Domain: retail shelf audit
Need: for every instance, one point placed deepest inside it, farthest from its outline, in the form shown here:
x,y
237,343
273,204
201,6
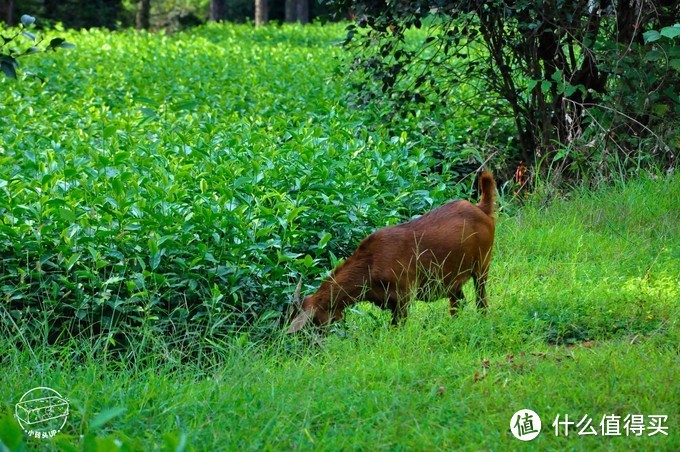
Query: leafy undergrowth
x,y
185,183
583,322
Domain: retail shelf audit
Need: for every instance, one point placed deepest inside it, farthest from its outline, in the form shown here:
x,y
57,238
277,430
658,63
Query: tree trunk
x,y
291,9
302,11
143,14
51,9
261,12
217,10
7,12
297,11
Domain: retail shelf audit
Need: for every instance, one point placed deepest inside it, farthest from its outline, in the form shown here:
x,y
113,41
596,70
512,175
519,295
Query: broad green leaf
x,y
308,261
109,131
651,36
545,86
671,32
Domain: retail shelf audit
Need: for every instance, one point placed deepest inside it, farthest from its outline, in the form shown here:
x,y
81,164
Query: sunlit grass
x,y
578,324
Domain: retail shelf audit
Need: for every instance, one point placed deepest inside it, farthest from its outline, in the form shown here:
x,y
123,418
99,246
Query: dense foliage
x,y
583,320
190,180
567,74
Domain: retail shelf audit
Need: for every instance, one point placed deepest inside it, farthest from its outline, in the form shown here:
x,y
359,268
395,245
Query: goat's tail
x,y
488,187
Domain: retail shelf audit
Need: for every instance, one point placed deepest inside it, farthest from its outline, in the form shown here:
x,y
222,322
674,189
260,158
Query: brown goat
x,y
448,244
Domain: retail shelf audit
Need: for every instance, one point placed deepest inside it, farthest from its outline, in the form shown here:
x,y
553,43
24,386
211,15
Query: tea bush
x,y
185,183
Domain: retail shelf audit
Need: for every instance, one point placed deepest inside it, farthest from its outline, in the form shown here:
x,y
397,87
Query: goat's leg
x,y
480,287
399,308
386,297
455,297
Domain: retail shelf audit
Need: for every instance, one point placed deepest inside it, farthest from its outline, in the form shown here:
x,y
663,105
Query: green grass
x,y
583,321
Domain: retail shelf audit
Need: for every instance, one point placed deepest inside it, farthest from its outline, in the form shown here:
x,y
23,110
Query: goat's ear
x,y
299,322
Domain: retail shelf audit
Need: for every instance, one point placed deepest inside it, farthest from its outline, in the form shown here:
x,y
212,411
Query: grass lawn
x,y
583,321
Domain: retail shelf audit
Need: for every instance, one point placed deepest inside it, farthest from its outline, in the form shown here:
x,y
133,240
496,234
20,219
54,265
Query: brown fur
x,y
450,243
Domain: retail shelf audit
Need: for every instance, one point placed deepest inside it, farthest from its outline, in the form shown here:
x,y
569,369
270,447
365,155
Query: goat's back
x,y
450,242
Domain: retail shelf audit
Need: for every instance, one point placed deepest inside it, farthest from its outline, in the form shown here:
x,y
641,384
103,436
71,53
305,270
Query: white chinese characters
x,y
612,425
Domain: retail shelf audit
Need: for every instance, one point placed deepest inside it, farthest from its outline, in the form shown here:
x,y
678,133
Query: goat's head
x,y
313,309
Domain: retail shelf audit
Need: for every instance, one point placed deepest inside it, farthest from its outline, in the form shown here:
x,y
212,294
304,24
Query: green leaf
x,y
105,416
545,86
651,36
11,435
308,261
70,262
121,157
145,100
671,32
675,64
149,113
118,187
55,42
104,444
674,52
154,260
67,214
185,106
349,37
324,240
653,55
28,35
175,442
570,89
109,131
8,68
